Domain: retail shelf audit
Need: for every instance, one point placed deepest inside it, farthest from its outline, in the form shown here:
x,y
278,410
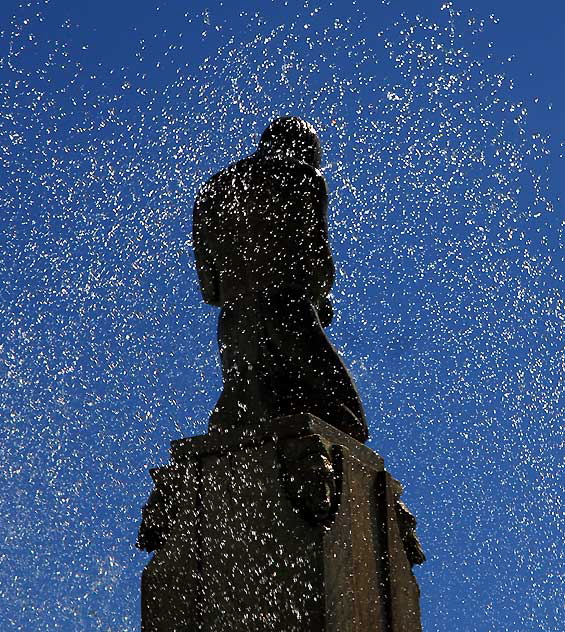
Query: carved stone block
x,y
294,529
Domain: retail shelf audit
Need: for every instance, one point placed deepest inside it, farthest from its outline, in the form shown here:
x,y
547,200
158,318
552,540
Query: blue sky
x,y
442,128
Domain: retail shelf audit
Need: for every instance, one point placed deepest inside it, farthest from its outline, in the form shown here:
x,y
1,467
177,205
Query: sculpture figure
x,y
262,254
274,520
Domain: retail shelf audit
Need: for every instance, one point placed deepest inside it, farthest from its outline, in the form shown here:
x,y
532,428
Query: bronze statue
x,y
262,254
275,520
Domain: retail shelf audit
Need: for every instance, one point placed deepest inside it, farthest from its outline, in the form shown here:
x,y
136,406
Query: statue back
x,y
259,225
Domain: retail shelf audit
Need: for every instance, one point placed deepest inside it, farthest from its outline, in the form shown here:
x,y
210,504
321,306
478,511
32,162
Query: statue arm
x,y
318,247
207,273
325,270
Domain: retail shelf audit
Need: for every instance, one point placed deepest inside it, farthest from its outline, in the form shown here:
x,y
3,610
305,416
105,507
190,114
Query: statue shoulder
x,y
314,177
301,172
303,168
311,173
223,181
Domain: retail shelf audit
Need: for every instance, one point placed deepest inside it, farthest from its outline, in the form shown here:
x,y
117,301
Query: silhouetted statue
x,y
262,255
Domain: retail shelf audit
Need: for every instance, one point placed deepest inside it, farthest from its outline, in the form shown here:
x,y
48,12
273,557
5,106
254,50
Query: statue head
x,y
291,137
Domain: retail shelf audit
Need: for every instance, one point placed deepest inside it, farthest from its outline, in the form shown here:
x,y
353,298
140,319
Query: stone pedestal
x,y
297,528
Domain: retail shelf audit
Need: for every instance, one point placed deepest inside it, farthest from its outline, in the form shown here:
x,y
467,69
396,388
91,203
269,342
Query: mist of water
x,y
448,297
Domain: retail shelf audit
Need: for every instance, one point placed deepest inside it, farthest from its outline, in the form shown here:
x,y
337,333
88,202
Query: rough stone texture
x,y
244,544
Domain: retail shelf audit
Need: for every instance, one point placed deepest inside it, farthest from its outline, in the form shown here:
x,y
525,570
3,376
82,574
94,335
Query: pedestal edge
x,y
275,429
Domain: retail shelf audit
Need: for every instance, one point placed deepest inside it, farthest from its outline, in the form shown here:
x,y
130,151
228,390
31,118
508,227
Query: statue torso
x,y
262,224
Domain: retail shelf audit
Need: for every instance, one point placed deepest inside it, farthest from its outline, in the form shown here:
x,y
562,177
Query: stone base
x,y
297,529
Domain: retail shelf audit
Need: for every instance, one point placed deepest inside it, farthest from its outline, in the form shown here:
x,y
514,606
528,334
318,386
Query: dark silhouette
x,y
278,518
262,254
